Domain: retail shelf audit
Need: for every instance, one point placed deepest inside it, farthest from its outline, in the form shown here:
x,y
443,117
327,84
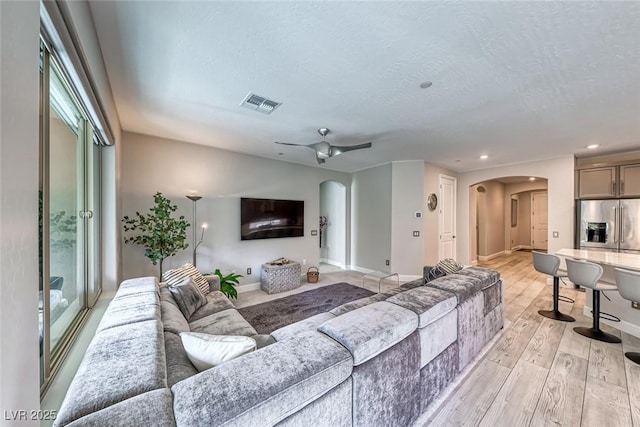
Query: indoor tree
x,y
161,234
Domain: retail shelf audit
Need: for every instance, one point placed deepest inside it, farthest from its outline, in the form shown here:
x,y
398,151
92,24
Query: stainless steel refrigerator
x,y
612,225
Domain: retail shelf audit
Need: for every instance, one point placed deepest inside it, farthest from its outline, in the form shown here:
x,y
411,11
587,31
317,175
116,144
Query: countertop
x,y
614,259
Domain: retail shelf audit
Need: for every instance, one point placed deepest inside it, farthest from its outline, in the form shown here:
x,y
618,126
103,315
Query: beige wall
x,y
175,168
406,199
491,219
560,175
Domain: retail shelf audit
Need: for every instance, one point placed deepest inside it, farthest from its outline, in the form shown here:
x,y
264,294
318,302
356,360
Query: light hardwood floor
x,y
539,372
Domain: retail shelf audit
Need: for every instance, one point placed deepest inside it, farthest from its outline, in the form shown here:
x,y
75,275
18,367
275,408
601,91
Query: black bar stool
x,y
587,274
629,287
549,264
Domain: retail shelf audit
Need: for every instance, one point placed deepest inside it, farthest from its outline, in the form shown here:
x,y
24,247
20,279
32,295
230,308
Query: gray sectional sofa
x,y
378,361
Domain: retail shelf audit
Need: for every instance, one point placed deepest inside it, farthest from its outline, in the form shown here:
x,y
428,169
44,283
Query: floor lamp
x,y
194,199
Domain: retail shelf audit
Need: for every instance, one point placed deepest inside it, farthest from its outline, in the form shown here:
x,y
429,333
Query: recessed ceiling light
x,y
484,157
280,154
457,161
533,178
425,85
592,146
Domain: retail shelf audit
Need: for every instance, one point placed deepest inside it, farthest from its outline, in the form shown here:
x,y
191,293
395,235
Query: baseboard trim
x,y
332,262
248,287
490,257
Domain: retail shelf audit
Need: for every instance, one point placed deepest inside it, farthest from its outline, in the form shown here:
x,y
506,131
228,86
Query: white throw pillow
x,y
206,351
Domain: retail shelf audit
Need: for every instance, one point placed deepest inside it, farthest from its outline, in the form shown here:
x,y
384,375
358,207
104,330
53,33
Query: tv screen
x,y
269,218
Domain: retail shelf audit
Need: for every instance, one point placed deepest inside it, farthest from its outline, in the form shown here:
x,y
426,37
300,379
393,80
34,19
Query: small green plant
x,y
160,233
228,283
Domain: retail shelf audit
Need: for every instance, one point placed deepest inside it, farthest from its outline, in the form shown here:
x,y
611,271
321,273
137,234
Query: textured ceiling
x,y
517,81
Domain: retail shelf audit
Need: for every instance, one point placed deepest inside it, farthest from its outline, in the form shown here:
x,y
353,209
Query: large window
x,y
69,215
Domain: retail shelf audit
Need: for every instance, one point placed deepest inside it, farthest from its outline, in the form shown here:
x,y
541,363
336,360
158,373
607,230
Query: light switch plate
x,y
556,234
418,214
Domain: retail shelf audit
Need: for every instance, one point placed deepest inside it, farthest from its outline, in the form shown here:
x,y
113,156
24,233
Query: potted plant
x,y
160,233
228,283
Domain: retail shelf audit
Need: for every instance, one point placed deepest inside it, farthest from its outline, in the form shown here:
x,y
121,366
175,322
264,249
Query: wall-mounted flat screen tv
x,y
270,218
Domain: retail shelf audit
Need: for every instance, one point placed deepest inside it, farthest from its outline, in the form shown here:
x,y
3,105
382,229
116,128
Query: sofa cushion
x,y
134,308
120,363
166,295
487,276
263,340
428,303
492,296
227,322
152,408
309,324
350,306
177,275
216,302
370,330
411,285
188,297
179,366
267,385
137,286
172,319
463,286
206,351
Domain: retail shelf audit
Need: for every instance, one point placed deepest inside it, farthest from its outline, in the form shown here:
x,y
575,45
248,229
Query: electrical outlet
x,y
556,234
249,271
304,261
387,262
635,304
416,234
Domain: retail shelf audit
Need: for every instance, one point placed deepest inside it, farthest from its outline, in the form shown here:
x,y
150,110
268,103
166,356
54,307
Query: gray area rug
x,y
271,315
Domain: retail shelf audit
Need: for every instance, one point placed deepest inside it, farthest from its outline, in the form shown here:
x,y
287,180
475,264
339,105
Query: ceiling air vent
x,y
259,103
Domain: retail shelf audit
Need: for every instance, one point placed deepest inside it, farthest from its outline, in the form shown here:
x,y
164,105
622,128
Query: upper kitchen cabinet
x,y
630,181
597,183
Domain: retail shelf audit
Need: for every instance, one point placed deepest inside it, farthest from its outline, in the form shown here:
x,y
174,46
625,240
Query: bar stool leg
x,y
595,332
555,313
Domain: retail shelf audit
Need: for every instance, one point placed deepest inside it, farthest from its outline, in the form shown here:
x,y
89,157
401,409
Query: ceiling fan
x,y
324,150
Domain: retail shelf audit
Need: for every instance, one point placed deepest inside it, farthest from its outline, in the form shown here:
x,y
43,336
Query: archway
x,y
500,215
333,236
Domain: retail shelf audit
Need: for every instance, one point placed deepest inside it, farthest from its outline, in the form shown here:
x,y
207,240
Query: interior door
x,y
539,220
447,217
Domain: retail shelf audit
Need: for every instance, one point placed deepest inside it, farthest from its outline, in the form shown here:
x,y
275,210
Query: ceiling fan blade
x,y
336,149
288,143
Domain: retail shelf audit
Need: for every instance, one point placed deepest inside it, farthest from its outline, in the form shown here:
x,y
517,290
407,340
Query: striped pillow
x,y
448,266
176,276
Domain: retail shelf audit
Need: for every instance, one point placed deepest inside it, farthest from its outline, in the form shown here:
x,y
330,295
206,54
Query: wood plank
x,y
606,363
605,404
574,343
468,402
561,399
633,381
515,339
516,402
542,347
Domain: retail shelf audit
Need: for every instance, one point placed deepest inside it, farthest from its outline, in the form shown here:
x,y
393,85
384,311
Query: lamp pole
x,y
194,199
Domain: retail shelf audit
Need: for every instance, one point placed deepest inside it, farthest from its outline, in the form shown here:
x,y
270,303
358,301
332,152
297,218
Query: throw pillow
x,y
188,297
449,266
206,351
175,276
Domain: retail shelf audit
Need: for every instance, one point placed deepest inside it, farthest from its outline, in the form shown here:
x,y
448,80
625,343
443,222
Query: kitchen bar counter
x,y
629,317
614,259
